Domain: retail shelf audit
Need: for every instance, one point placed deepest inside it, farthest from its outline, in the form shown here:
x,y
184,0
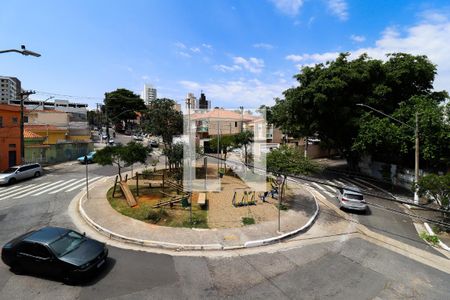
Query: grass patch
x,y
248,221
164,216
432,239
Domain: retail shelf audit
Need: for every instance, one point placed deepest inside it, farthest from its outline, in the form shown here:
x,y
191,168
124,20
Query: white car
x,y
351,197
16,173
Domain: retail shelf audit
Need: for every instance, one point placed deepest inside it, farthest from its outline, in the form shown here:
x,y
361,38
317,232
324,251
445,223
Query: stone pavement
x,y
99,214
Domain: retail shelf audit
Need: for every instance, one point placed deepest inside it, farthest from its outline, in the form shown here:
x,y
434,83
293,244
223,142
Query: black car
x,y
56,252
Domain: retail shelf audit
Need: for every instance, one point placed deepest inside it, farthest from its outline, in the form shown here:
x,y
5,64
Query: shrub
x,y
248,221
156,215
432,239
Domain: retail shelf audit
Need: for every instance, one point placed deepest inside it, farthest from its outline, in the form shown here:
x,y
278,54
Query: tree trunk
x,y
306,147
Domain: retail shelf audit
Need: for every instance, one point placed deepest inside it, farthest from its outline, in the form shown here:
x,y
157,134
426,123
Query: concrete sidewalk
x,y
98,213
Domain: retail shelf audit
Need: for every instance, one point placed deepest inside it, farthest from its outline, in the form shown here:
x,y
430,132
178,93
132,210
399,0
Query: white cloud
x,y
428,37
357,38
207,46
224,68
254,65
183,54
339,8
289,7
252,92
263,46
180,45
195,49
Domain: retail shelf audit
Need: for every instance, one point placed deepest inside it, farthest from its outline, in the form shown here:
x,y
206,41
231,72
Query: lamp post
x,y
280,192
25,52
188,103
416,134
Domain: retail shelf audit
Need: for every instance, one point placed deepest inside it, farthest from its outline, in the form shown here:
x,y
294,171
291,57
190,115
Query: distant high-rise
x,y
203,103
149,94
192,99
10,89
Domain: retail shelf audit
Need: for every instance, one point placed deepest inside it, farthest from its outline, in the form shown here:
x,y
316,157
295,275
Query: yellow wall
x,y
53,136
79,138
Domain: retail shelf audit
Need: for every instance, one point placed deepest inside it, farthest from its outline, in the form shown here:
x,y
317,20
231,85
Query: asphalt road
x,y
345,269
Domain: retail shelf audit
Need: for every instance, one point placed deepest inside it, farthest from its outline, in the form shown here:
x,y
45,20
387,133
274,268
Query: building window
x,y
14,120
25,119
1,122
235,124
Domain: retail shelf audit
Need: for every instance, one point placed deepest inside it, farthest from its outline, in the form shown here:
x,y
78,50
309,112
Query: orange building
x,y
9,136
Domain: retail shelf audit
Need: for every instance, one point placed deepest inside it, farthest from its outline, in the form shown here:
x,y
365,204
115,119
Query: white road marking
x,y
55,187
339,182
18,191
83,183
329,194
331,188
36,189
7,189
68,186
357,182
319,186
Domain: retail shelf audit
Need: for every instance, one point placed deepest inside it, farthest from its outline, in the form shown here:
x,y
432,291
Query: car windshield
x,y
354,197
9,170
91,153
67,243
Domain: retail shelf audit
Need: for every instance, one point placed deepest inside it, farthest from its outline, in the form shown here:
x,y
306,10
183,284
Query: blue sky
x,y
238,52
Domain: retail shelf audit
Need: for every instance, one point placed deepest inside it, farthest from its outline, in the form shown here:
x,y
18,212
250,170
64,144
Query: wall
x,y
9,135
58,153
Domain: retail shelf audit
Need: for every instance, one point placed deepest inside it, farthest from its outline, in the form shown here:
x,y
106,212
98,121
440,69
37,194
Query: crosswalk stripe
x,y
83,183
328,193
68,186
330,188
339,182
36,189
18,191
55,187
353,182
359,182
318,186
7,189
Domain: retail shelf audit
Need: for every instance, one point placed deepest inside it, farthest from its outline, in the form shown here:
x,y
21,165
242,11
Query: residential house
x,y
10,144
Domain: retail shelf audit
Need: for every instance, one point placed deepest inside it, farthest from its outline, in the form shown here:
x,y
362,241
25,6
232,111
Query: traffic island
x,y
230,226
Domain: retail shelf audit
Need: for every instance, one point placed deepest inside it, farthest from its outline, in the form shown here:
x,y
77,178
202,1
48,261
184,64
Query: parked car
x,y
90,157
351,197
138,138
16,173
55,251
154,144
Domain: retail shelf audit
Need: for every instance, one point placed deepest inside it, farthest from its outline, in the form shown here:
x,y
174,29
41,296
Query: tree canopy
x,y
163,120
325,100
122,105
438,187
121,155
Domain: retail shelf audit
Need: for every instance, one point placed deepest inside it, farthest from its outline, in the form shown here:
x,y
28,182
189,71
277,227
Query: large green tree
x,y
122,105
244,139
438,187
325,100
122,155
162,119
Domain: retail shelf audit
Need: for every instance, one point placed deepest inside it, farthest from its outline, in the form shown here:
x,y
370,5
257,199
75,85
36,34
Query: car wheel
x,y
17,269
12,181
37,174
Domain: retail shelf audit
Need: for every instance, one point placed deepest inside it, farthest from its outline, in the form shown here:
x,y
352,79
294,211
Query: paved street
x,y
341,269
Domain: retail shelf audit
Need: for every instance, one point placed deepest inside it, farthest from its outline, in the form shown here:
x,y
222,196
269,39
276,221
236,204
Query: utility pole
x,y
23,95
416,168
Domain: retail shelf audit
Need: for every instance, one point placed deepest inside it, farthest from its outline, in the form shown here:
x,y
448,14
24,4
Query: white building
x,y
10,89
149,94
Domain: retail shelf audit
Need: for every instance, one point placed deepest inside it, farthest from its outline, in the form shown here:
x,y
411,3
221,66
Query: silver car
x,y
351,197
16,173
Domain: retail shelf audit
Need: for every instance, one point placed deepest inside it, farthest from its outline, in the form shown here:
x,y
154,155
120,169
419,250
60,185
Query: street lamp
x,y
188,103
280,193
24,51
416,133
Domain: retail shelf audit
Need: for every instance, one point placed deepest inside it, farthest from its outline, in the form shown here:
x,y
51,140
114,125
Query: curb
x,y
430,232
189,247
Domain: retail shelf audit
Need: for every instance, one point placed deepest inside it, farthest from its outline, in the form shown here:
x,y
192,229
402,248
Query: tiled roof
x,y
30,135
222,114
44,127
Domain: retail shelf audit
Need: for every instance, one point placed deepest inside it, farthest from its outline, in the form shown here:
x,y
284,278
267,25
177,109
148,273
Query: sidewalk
x,y
98,213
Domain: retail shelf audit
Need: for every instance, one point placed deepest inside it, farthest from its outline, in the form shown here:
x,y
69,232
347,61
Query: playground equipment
x,y
175,199
248,198
125,191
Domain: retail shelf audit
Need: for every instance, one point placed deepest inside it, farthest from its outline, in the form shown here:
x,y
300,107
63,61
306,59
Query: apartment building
x,y
10,89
